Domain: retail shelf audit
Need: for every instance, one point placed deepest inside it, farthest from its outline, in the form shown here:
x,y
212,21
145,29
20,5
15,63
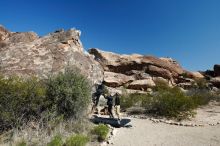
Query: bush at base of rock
x,y
64,95
172,103
69,92
167,101
20,100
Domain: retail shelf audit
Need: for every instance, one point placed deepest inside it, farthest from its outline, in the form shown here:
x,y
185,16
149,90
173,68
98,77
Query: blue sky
x,y
186,30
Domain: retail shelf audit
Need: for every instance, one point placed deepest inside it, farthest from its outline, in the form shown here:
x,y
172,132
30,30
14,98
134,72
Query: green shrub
x,y
201,84
20,100
169,101
62,96
165,101
68,93
101,131
56,141
172,103
129,100
22,143
126,102
77,140
201,96
161,85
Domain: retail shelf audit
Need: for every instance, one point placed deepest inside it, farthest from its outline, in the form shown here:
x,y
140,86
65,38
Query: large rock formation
x,y
136,71
26,54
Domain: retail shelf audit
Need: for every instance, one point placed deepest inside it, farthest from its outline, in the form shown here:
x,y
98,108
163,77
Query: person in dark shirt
x,y
117,105
110,105
96,97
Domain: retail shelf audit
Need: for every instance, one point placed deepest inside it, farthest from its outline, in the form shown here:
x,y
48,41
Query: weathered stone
x,y
217,69
141,84
23,37
122,90
195,75
124,63
116,79
186,85
215,81
160,72
209,73
26,55
4,33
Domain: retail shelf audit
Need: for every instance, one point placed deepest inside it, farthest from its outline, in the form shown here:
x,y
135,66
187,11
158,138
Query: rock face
x,y
141,84
217,70
195,75
116,79
4,33
215,81
136,71
26,54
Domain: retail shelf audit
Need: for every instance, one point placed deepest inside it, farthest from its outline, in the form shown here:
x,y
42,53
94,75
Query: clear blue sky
x,y
186,30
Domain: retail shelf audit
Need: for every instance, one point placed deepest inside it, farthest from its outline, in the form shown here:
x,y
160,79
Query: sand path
x,y
145,133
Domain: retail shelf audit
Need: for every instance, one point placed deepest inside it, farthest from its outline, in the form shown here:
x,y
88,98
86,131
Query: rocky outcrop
x,y
136,71
195,75
125,63
215,81
112,79
26,54
141,84
4,33
217,70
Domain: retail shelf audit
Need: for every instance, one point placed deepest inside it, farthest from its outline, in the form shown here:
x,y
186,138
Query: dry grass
x,y
37,133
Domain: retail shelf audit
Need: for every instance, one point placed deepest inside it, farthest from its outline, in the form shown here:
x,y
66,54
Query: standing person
x,y
117,105
110,105
96,97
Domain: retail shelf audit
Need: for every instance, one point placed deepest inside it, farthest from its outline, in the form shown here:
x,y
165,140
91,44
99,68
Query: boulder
x,y
141,84
28,55
159,72
125,63
215,81
186,85
122,90
161,79
209,73
217,69
112,79
195,75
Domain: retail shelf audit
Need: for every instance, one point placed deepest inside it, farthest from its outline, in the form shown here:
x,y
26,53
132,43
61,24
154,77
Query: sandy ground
x,y
143,132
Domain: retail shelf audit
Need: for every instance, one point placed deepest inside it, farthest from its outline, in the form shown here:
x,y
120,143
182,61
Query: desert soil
x,y
143,132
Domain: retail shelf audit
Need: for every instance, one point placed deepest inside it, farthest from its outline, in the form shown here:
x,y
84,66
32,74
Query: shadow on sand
x,y
113,122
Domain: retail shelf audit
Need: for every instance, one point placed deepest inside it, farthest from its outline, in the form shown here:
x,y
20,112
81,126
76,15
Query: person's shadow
x,y
111,121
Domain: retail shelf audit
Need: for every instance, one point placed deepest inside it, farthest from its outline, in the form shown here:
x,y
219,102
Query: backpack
x,y
100,89
110,100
